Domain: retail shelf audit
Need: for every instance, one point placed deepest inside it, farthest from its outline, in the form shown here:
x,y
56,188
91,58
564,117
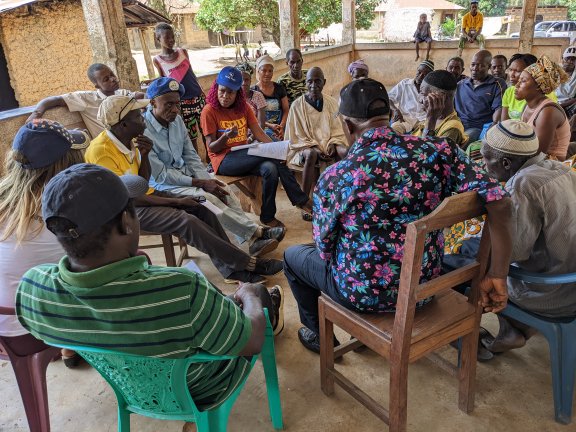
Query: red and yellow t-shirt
x,y
212,120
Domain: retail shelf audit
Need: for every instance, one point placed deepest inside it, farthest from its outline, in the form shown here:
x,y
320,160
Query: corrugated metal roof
x,y
6,5
136,14
180,7
388,5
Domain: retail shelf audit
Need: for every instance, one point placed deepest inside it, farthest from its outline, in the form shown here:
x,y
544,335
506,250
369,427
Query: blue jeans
x,y
240,163
473,134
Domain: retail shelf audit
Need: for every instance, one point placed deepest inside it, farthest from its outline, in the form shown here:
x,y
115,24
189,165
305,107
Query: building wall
x,y
192,36
36,44
550,13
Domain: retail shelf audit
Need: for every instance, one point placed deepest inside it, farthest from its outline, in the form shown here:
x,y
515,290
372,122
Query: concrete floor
x,y
514,391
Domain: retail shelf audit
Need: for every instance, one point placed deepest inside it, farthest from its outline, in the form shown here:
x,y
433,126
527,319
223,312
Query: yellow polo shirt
x,y
472,22
107,151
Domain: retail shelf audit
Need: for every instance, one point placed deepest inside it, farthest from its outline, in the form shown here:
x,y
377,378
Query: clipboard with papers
x,y
274,150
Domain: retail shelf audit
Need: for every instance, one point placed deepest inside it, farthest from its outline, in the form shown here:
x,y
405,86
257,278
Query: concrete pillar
x,y
109,39
146,52
527,26
289,25
348,22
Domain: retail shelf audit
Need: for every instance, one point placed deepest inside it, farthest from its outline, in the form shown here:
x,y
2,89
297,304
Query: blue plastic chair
x,y
561,337
156,387
484,130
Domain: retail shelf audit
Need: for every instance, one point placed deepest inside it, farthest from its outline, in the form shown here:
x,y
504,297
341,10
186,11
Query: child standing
x,y
174,63
423,34
246,52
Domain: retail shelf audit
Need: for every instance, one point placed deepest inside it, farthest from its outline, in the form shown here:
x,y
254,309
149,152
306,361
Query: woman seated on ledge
x,y
225,122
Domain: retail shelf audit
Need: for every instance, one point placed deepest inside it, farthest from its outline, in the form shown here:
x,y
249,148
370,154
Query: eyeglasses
x,y
132,100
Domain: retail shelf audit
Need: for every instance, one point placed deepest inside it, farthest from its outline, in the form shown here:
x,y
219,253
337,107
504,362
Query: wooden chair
x,y
251,188
409,335
168,245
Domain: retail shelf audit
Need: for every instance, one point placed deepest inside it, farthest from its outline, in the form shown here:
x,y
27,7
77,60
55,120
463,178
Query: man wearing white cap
x,y
544,195
566,92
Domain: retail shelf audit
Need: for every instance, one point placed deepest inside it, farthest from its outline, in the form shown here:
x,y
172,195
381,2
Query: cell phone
x,y
200,199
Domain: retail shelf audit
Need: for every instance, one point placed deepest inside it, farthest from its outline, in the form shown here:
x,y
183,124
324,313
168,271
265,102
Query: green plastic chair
x,y
156,387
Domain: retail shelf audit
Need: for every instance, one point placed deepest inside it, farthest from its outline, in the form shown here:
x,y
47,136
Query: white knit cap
x,y
569,52
513,137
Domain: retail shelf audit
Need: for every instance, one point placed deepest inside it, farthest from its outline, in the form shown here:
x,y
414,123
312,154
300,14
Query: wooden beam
x,y
109,39
147,57
348,22
527,26
289,25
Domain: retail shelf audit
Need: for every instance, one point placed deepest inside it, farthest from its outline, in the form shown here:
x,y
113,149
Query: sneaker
x,y
276,233
311,340
244,276
268,267
262,246
277,297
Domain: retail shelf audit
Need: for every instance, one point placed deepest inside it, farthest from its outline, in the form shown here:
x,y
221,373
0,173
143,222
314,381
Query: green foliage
x,y
448,27
487,7
218,15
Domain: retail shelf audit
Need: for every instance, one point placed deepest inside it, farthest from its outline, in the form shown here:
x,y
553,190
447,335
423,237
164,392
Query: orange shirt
x,y
212,120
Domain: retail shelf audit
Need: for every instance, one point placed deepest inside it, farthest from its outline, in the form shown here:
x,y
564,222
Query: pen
x,y
223,130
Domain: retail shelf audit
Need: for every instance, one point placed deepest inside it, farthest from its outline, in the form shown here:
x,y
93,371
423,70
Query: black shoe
x,y
244,276
311,339
277,297
262,247
268,267
276,233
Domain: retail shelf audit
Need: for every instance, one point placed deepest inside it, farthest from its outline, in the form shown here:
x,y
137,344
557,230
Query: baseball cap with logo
x,y
43,142
164,85
114,108
358,96
89,196
230,77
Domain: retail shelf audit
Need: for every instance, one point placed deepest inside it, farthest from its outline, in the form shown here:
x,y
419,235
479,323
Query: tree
x,y
218,15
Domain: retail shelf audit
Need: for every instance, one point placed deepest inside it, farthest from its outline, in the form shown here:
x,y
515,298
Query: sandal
x,y
73,361
306,216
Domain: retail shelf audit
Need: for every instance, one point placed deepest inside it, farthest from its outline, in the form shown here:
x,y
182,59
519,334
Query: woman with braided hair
x,y
547,117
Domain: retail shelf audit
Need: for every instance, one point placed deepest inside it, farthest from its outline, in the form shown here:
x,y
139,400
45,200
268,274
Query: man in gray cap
x,y
102,294
544,196
363,204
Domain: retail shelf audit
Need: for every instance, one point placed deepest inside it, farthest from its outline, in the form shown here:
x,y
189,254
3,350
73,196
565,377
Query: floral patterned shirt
x,y
363,203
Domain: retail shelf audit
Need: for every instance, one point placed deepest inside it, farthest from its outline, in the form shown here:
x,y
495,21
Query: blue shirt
x,y
476,105
173,160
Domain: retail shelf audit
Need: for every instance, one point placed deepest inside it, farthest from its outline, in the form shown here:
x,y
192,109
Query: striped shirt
x,y
132,307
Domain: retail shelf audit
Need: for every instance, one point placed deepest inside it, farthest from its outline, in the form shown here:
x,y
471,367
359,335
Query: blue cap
x,y
230,77
43,142
89,196
164,85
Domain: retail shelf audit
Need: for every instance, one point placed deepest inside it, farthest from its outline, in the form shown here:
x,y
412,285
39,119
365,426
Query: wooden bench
x,y
251,188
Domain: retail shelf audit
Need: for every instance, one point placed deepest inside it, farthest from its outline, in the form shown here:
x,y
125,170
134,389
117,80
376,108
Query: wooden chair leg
x,y
398,394
183,248
326,351
467,372
169,250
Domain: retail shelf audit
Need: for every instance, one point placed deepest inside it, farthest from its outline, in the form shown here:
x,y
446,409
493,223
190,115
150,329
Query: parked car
x,y
554,29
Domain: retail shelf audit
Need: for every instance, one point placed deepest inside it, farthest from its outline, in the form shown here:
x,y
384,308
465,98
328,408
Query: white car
x,y
554,29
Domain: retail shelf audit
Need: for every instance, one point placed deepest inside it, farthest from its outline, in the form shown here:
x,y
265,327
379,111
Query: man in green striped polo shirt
x,y
102,294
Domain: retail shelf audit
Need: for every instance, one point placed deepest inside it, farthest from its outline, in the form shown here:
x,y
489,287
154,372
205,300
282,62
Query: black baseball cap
x,y
89,196
356,98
